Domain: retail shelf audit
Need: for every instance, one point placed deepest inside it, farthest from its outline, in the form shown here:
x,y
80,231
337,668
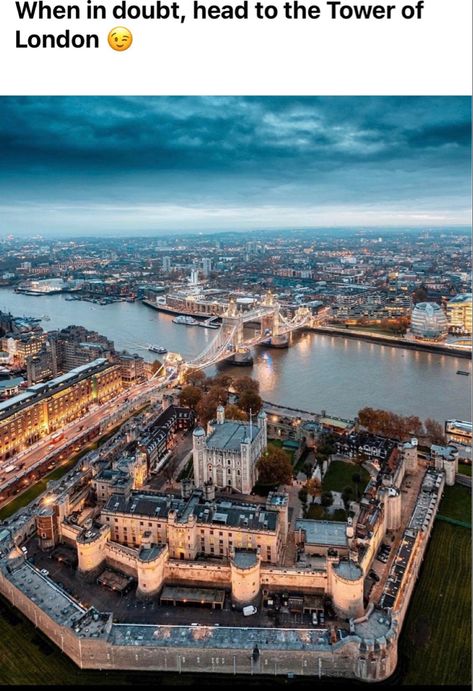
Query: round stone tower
x,y
91,549
150,567
346,587
245,574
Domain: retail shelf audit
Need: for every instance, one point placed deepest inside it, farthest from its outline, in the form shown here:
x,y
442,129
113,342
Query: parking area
x,y
274,610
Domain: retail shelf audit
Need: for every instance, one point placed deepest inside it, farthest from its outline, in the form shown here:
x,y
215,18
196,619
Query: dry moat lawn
x,y
436,640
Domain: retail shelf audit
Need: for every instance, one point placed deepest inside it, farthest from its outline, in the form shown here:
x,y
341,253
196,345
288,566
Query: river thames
x,y
318,372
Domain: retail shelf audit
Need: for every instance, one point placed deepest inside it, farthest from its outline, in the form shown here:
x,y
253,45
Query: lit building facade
x,y
459,312
43,408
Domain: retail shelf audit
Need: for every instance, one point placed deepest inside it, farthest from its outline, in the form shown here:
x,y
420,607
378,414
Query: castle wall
x,y
197,574
305,580
122,558
342,659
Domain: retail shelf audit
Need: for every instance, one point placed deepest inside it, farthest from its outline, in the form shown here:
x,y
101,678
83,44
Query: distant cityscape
x,y
413,289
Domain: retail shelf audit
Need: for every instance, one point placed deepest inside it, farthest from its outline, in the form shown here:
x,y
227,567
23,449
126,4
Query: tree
x,y
224,380
206,409
356,478
326,443
219,393
274,467
414,426
346,496
195,377
389,424
302,494
190,396
250,401
233,412
367,418
326,499
313,487
245,383
434,431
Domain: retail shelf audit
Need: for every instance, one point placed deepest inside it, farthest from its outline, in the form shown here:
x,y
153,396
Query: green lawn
x,y
278,444
339,475
456,503
464,469
436,638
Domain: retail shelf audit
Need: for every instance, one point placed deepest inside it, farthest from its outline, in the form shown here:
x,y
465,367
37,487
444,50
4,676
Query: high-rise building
x,y
167,264
206,266
132,369
459,313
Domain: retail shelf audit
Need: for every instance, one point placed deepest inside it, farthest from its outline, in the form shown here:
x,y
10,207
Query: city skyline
x,y
89,165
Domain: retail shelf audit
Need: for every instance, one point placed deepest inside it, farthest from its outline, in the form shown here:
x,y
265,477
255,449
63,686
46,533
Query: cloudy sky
x,y
88,165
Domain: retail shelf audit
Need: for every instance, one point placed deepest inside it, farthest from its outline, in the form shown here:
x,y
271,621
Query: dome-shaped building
x,y
428,321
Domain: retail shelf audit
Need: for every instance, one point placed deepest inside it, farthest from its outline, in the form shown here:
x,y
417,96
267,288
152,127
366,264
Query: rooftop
x,y
329,533
35,392
245,559
349,570
221,637
231,434
222,512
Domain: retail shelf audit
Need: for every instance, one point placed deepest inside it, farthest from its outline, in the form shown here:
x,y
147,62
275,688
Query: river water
x,y
318,372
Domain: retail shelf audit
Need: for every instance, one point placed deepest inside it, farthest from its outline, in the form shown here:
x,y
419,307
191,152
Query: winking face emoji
x,y
120,38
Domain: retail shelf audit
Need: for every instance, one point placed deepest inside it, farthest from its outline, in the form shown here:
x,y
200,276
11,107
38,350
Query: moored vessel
x,y
187,321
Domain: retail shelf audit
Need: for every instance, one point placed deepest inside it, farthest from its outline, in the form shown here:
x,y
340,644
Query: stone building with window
x,y
228,453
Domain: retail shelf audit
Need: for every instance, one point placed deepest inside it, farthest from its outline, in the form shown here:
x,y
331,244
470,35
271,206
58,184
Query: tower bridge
x,y
231,335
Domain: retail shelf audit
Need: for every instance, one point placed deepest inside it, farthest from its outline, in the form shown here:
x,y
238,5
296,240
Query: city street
x,y
104,416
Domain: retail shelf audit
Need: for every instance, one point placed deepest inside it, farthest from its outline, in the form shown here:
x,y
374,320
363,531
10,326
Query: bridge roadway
x,y
229,337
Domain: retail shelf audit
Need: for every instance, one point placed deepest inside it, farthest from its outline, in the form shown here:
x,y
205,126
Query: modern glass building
x,y
429,322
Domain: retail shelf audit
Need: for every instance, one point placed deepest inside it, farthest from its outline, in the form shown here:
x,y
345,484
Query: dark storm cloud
x,y
248,157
